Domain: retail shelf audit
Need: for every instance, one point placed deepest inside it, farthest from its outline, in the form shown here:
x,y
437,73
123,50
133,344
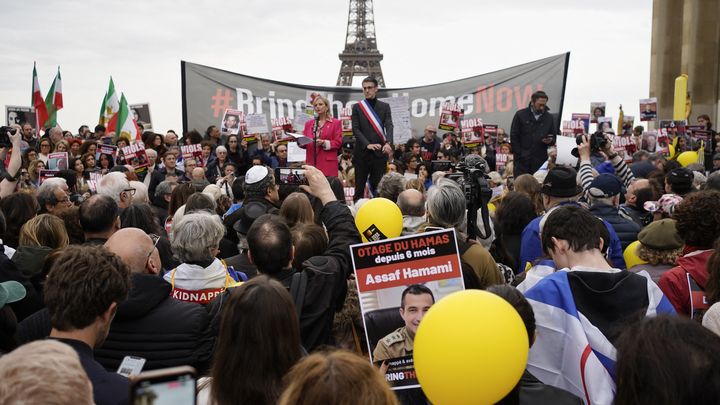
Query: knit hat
x,y
561,182
661,235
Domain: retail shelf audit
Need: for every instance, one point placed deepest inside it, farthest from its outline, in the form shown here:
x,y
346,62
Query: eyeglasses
x,y
155,240
130,191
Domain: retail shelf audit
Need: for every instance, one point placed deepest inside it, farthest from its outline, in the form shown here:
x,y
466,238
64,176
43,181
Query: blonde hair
x,y
44,230
44,372
328,113
340,378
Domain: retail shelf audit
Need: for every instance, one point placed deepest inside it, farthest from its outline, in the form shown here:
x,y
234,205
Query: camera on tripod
x,y
472,177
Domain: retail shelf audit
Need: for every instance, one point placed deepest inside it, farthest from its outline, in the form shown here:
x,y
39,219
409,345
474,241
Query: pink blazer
x,y
327,160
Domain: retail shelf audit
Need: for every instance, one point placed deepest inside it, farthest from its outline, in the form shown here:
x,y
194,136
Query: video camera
x,y
4,138
598,142
472,177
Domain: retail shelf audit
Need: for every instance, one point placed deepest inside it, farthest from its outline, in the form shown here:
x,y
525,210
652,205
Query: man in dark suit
x,y
532,131
373,130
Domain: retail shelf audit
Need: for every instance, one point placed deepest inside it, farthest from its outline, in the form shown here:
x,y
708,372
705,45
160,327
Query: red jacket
x,y
327,159
674,282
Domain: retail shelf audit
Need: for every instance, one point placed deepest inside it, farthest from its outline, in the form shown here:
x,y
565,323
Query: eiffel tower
x,y
360,56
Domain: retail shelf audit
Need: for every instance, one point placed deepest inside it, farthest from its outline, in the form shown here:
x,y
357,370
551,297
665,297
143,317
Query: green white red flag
x,y
110,106
54,101
123,123
37,100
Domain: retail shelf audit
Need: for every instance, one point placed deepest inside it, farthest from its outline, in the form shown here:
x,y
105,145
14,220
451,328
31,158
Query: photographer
x,y
598,143
10,137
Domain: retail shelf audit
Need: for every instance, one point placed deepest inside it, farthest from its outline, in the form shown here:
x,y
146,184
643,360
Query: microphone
x,y
315,130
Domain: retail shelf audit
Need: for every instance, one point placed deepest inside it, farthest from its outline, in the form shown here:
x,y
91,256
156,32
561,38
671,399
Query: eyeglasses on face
x,y
130,191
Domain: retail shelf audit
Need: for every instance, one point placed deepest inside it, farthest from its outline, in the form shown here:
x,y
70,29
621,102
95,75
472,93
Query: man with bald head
x,y
412,206
638,192
150,324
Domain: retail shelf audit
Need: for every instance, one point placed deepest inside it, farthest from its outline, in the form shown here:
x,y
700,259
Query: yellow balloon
x,y
378,219
470,348
491,207
687,158
631,257
671,148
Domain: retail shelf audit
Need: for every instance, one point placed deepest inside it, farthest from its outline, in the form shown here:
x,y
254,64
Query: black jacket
x,y
149,324
531,391
159,175
526,134
32,301
365,133
626,230
326,277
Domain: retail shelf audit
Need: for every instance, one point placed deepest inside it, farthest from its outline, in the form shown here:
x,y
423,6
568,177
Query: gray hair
x,y
195,234
112,185
141,192
46,191
164,187
446,205
220,148
391,185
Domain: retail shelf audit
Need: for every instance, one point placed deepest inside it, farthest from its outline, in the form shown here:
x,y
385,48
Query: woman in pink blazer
x,y
323,154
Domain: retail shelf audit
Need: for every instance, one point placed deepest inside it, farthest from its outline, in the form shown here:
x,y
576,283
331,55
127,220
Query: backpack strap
x,y
298,286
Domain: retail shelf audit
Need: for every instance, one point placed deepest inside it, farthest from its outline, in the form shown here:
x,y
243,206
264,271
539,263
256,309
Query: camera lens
x,y
13,131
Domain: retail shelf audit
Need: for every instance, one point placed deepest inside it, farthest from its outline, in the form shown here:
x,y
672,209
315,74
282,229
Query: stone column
x,y
666,53
701,55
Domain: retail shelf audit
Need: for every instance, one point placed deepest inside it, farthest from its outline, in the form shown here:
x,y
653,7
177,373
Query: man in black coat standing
x,y
373,130
532,131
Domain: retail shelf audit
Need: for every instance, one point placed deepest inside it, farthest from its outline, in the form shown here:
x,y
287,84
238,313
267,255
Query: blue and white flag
x,y
577,315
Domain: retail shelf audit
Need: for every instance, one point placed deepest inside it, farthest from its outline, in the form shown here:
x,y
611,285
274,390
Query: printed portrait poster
x,y
280,127
501,160
231,122
597,110
627,125
141,115
490,134
698,134
623,145
428,262
648,109
604,124
18,115
346,121
673,128
58,161
472,133
585,118
450,116
136,156
649,141
193,152
105,149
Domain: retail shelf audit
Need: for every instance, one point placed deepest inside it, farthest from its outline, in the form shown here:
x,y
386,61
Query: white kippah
x,y
256,174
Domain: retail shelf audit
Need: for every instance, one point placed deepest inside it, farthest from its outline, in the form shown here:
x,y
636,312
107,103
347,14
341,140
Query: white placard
x,y
400,110
257,124
295,152
565,145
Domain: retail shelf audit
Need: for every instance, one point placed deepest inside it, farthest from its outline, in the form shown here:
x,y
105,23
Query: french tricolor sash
x,y
372,116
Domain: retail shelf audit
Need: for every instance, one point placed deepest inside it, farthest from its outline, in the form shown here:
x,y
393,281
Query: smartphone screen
x,y
131,365
286,175
165,390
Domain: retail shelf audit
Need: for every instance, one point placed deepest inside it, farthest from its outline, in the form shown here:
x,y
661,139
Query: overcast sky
x,y
141,44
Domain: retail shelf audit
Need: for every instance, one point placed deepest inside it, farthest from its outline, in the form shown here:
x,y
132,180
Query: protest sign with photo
x,y
231,122
18,115
135,156
45,174
427,265
648,109
649,141
57,161
450,116
105,149
627,125
490,134
193,152
501,159
623,145
585,118
346,121
604,124
280,127
698,134
256,124
472,133
597,110
141,115
673,128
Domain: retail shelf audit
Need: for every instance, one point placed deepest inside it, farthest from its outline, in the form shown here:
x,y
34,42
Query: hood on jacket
x,y
30,259
695,263
146,293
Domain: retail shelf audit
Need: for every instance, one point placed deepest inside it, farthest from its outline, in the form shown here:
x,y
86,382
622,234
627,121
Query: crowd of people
x,y
209,262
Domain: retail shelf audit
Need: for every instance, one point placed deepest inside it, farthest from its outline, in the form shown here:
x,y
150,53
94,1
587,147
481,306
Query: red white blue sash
x,y
372,116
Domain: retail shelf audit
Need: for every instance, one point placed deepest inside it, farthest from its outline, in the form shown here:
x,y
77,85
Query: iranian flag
x,y
54,101
37,101
111,104
123,123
